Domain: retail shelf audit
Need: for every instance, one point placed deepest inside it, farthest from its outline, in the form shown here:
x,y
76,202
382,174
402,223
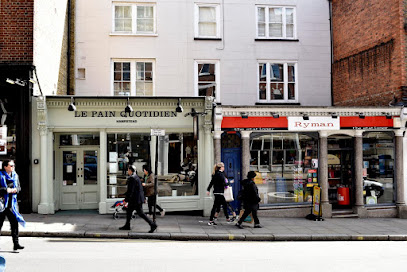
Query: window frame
x,y
218,20
133,75
134,19
217,77
284,23
285,81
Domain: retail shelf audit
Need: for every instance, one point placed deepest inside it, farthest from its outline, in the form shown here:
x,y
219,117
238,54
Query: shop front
x,y
84,153
355,157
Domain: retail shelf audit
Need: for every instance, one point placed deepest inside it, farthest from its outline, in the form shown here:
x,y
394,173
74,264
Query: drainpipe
x,y
332,50
68,72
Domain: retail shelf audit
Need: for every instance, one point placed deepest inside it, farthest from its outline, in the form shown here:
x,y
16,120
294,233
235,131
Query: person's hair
x,y
132,168
217,167
251,174
147,168
5,164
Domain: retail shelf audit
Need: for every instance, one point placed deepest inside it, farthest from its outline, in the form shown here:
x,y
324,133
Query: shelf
x,y
334,178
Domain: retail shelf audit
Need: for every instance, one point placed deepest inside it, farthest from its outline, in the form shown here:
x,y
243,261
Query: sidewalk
x,y
186,227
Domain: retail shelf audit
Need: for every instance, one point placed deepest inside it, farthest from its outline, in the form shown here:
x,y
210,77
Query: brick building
x,y
369,52
16,69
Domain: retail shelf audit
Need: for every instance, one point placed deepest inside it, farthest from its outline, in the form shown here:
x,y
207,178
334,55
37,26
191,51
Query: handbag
x,y
248,219
228,194
2,204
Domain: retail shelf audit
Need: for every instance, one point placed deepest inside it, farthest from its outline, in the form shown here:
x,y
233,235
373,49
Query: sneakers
x,y
162,213
153,228
257,226
239,226
229,219
212,223
233,219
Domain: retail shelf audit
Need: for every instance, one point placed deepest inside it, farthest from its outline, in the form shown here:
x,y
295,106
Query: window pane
x,y
121,77
277,91
289,15
291,91
262,91
139,88
148,86
275,15
261,30
207,29
276,30
290,31
206,72
207,14
276,72
206,89
123,18
291,73
261,15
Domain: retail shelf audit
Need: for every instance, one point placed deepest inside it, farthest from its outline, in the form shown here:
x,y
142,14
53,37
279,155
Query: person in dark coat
x,y
249,195
149,191
218,182
135,199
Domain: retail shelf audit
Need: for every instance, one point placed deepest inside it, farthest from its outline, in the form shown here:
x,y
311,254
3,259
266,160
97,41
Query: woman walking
x,y
149,191
219,183
9,188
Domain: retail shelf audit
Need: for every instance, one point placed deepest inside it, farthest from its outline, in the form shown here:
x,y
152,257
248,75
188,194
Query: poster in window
x,y
3,140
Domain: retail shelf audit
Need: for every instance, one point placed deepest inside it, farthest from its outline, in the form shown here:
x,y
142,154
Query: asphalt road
x,y
45,254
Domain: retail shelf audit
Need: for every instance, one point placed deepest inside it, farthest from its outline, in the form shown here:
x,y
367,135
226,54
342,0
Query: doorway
x,y
79,178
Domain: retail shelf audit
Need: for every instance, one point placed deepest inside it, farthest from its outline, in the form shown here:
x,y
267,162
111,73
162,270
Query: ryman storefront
x,y
80,155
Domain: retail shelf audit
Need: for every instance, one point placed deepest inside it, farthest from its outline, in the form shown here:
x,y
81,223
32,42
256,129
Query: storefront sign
x,y
157,132
316,201
313,124
97,114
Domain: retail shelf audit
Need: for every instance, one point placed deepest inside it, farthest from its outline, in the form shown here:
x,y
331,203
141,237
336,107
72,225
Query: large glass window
x,y
286,166
133,77
277,82
275,22
378,168
134,18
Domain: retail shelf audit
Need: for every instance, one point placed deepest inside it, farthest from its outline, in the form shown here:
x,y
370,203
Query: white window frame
x,y
134,19
267,34
285,67
217,76
218,21
132,74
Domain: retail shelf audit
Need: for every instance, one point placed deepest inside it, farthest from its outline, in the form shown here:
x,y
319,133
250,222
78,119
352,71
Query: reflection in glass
x,y
90,159
69,168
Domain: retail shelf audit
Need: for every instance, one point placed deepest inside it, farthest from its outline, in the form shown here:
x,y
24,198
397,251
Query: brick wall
x,y
16,31
368,45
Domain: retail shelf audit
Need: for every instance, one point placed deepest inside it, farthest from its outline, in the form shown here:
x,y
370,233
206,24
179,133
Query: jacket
x,y
218,182
149,185
249,194
135,193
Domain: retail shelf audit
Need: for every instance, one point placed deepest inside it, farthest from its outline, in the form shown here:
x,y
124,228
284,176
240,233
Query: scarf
x,y
4,177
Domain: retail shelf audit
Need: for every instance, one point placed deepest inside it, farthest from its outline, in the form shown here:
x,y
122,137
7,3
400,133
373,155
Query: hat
x,y
251,174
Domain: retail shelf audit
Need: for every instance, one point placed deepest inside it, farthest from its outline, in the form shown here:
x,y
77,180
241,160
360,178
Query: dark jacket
x,y
218,182
149,187
135,193
249,193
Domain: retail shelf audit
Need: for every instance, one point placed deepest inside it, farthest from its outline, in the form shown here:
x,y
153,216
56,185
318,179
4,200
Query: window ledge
x,y
133,34
278,104
207,39
277,40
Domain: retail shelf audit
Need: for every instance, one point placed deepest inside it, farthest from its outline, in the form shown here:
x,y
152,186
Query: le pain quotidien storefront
x,y
81,153
354,154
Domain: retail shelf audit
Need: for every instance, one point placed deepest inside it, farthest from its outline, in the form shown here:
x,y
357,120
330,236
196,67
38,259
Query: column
x,y
359,207
323,174
50,171
245,153
103,207
43,207
399,175
207,167
217,145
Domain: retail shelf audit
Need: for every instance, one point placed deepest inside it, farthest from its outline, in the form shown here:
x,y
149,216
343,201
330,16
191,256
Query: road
x,y
44,254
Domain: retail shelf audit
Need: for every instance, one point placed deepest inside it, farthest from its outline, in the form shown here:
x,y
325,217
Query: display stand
x,y
316,205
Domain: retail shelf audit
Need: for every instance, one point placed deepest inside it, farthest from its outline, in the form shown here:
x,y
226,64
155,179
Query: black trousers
x,y
139,210
13,223
219,201
150,201
250,209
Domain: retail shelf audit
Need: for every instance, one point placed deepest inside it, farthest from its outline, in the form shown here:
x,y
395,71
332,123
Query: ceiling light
x,y
72,106
128,108
179,107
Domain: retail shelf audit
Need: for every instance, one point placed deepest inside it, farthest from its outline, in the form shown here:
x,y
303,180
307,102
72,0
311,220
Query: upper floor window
x,y
276,22
207,78
277,82
133,77
207,21
134,18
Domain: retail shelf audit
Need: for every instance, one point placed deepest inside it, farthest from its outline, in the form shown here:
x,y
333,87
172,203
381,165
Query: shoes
x,y
153,228
215,218
229,220
257,226
149,215
212,223
239,226
233,219
125,227
162,213
18,246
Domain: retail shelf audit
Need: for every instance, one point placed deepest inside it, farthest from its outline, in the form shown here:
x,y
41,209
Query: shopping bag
x,y
248,219
228,194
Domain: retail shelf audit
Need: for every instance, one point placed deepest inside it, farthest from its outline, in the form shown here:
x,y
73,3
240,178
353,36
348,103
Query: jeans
x,y
219,201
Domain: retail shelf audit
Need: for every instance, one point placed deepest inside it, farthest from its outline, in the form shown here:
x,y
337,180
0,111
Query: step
x,y
344,214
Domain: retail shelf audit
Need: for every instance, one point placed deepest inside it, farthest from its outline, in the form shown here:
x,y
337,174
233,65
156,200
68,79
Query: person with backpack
x,y
249,195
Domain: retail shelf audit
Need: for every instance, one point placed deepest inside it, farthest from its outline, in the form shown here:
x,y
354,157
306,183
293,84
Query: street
x,y
45,254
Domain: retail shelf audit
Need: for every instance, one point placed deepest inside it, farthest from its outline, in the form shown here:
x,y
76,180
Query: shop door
x,y
231,157
79,188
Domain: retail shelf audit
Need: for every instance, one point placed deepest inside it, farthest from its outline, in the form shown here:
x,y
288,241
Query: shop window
x,y
286,166
378,168
79,139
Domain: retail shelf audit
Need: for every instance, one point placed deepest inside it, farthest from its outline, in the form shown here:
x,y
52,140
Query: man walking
x,y
135,199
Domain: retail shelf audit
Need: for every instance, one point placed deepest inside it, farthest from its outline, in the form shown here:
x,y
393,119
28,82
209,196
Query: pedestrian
x,y
135,199
249,195
149,191
234,216
218,182
9,188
